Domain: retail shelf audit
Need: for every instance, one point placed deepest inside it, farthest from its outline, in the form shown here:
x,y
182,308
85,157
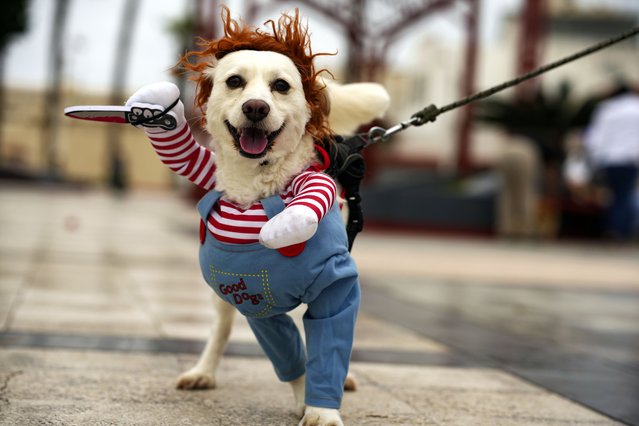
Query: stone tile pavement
x,y
88,268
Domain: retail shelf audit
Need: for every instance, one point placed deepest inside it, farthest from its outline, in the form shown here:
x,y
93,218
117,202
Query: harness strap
x,y
347,167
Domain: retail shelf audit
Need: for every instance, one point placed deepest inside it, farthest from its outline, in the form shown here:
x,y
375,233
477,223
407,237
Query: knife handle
x,y
148,117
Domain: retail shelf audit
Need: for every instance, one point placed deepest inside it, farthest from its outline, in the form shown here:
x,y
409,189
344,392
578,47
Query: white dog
x,y
265,113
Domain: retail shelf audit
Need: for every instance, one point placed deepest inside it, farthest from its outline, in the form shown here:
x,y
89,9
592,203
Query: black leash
x,y
431,112
347,163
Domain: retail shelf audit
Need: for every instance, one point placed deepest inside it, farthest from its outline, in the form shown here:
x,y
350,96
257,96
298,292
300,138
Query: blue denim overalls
x,y
263,285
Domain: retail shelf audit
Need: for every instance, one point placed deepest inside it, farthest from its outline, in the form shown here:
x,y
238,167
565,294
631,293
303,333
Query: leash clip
x,y
379,134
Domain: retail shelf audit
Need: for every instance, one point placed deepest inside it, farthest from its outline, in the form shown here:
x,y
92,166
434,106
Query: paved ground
x,y
102,306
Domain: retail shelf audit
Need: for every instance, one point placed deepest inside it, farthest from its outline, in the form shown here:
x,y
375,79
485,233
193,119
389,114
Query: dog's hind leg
x,y
298,386
202,375
351,383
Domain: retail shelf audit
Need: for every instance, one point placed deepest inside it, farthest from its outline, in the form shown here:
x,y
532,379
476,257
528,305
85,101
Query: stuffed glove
x,y
156,97
294,225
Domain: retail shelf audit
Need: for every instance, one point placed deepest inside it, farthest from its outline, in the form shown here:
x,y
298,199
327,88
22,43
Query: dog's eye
x,y
280,85
234,81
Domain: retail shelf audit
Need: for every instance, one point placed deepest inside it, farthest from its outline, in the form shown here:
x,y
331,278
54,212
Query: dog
x,y
271,234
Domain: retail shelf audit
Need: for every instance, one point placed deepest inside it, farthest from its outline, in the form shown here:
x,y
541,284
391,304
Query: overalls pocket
x,y
250,291
262,282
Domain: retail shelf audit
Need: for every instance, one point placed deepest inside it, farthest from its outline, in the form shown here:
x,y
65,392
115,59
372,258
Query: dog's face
x,y
257,108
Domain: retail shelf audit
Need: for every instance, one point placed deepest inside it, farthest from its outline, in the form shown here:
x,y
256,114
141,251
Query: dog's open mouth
x,y
252,142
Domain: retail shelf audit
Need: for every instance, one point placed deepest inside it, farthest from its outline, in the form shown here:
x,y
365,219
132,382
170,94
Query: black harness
x,y
347,167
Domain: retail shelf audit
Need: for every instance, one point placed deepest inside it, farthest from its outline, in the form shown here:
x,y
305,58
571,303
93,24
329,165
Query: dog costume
x,y
264,283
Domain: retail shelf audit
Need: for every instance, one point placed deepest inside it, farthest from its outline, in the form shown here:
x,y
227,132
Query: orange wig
x,y
289,37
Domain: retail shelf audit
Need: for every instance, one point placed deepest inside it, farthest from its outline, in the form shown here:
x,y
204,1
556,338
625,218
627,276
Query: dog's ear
x,y
209,71
206,82
325,98
204,87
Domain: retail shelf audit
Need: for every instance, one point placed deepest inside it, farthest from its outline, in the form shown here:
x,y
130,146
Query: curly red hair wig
x,y
288,37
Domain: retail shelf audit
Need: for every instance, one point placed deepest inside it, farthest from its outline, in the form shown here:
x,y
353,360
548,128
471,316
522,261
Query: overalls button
x,y
202,232
292,251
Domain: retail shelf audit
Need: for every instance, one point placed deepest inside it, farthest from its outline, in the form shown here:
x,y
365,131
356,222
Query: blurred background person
x,y
519,168
612,141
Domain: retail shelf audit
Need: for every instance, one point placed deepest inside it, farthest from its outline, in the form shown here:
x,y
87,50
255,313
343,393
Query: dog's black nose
x,y
255,109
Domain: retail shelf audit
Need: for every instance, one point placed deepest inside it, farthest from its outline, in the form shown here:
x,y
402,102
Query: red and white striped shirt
x,y
228,222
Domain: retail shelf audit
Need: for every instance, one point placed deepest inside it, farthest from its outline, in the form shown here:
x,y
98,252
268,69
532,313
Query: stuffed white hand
x,y
157,96
293,225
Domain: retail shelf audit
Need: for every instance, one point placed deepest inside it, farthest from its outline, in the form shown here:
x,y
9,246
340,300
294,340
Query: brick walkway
x,y
102,306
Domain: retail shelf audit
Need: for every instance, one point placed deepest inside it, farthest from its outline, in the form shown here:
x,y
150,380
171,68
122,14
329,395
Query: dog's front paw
x,y
293,225
195,379
316,416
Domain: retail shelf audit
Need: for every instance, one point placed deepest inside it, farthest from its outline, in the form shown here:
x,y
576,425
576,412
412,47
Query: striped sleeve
x,y
182,154
314,190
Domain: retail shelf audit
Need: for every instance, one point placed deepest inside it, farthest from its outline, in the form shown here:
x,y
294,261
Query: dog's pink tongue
x,y
253,141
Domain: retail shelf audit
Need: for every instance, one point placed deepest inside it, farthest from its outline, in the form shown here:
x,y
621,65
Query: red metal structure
x,y
206,17
462,155
532,33
371,28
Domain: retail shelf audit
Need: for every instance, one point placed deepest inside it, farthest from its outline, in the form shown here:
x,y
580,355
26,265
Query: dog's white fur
x,y
246,180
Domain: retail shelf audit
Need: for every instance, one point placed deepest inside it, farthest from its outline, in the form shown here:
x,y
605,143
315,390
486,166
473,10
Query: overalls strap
x,y
205,205
273,205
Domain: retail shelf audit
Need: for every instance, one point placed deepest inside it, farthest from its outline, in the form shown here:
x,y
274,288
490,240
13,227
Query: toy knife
x,y
148,117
